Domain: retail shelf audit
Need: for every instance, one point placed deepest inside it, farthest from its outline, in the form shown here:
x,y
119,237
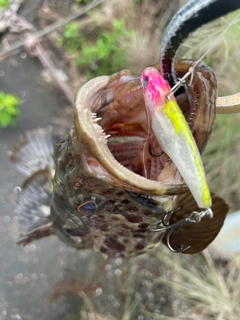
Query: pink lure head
x,y
155,88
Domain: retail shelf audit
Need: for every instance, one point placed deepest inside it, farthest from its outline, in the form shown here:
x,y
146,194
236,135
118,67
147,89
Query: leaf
x,y
9,109
4,3
5,118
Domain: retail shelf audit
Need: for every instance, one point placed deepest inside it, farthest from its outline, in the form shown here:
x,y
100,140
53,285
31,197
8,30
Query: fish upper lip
x,y
99,110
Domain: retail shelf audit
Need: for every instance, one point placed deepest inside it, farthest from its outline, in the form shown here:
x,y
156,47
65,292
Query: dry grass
x,y
203,288
180,287
221,160
222,154
221,157
206,288
224,55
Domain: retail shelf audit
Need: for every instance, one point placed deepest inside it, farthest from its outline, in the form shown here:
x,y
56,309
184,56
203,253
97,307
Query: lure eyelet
x,y
194,217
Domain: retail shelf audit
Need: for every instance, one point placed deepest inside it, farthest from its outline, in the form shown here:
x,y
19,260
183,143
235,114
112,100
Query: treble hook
x,y
166,226
194,217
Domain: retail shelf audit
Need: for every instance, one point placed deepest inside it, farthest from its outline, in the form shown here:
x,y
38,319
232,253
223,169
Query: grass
x,y
102,54
222,154
4,4
171,287
118,35
205,287
224,57
221,159
201,286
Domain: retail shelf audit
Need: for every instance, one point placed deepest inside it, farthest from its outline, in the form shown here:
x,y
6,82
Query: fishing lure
x,y
173,134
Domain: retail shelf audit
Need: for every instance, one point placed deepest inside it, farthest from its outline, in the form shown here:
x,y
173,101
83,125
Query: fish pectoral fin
x,y
33,208
38,233
33,152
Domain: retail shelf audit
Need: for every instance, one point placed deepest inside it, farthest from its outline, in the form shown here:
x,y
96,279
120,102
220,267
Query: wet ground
x,y
28,275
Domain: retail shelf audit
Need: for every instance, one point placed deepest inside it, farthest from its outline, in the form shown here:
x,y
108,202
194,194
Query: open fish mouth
x,y
111,122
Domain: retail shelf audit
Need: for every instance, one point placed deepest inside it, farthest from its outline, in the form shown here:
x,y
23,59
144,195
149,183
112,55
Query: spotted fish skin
x,y
53,193
119,228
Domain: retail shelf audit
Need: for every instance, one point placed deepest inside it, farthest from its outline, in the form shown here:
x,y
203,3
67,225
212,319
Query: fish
x,y
100,187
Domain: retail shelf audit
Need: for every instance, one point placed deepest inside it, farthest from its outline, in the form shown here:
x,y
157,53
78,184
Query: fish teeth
x,y
94,117
97,127
97,119
105,138
99,130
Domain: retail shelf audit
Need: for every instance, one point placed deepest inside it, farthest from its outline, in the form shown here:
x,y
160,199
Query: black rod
x,y
189,18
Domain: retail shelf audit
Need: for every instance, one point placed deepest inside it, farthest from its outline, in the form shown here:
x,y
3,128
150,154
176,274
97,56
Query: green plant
x,y
103,54
107,54
71,38
4,3
9,109
82,1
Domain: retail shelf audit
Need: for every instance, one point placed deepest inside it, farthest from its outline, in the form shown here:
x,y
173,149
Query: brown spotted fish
x,y
103,187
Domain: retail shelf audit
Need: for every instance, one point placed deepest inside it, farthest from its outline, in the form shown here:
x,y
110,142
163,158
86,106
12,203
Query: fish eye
x,y
145,82
88,204
87,207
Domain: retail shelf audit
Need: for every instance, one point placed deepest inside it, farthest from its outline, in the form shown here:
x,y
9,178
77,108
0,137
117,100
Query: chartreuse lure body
x,y
173,134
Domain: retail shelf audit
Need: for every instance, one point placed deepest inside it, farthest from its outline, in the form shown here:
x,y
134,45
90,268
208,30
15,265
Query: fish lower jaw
x,y
94,138
97,141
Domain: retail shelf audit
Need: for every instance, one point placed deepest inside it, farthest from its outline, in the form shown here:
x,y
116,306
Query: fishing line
x,y
145,144
180,82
